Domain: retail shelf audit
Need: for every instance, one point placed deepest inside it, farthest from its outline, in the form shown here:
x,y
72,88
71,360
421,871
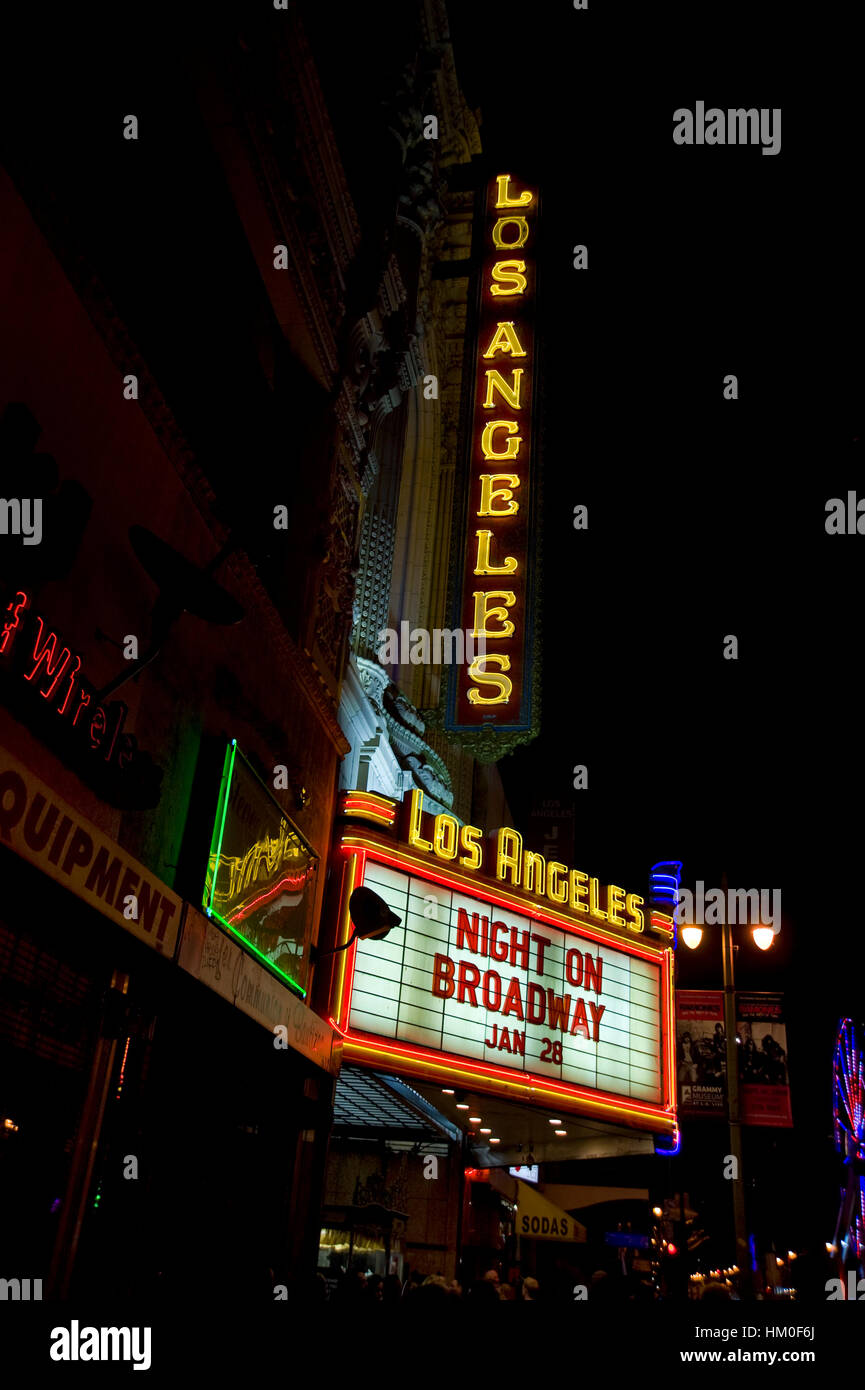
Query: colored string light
x,y
849,1127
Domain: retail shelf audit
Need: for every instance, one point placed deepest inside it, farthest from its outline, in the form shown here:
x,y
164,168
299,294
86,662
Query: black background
x,y
706,516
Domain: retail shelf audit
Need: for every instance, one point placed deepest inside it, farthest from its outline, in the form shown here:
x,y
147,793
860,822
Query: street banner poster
x,y
764,1088
701,1052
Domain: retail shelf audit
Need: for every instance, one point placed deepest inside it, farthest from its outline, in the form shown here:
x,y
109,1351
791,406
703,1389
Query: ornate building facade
x,y
404,384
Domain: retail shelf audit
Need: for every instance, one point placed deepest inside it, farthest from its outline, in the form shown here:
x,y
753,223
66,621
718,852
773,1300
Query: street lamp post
x,y
763,938
743,1254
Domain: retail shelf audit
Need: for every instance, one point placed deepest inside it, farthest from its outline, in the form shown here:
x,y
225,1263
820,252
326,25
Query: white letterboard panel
x,y
559,1005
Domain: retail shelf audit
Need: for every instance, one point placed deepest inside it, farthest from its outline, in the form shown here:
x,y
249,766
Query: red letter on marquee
x,y
443,977
469,979
558,1009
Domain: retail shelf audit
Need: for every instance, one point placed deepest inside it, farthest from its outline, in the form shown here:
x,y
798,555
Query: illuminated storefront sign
x,y
43,684
504,994
260,874
225,967
539,1219
495,595
42,828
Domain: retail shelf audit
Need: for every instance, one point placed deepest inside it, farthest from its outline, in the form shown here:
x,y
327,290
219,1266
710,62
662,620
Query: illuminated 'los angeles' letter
x,y
508,273
512,447
481,676
485,611
509,394
490,491
505,200
484,564
505,340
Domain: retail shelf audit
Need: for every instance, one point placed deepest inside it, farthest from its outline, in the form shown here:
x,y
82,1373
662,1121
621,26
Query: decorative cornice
x,y
375,680
486,744
302,90
457,122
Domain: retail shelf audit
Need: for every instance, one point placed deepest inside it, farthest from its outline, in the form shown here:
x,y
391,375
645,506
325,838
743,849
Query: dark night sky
x,y
706,517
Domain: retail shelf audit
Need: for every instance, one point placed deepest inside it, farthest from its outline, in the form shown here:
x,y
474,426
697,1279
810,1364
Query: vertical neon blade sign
x,y
492,688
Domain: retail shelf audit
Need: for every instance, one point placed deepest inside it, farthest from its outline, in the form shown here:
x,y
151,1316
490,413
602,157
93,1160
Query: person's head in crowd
x,y
714,1292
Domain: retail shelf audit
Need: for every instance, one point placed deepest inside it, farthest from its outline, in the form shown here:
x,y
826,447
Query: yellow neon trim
x,y
387,801
364,813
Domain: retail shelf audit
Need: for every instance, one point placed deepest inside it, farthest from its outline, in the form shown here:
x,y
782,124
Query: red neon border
x,y
367,813
368,804
369,796
662,1111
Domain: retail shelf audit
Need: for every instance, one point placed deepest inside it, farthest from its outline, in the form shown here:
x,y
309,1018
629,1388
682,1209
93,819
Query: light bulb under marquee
x,y
692,936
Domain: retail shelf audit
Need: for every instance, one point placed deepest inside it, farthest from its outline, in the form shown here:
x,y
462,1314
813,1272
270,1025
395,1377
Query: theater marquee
x,y
490,697
500,991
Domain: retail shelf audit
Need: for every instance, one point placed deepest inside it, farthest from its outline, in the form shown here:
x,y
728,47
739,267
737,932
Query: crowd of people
x,y
436,1288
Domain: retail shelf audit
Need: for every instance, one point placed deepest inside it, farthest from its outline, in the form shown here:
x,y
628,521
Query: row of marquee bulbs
x,y
476,1119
